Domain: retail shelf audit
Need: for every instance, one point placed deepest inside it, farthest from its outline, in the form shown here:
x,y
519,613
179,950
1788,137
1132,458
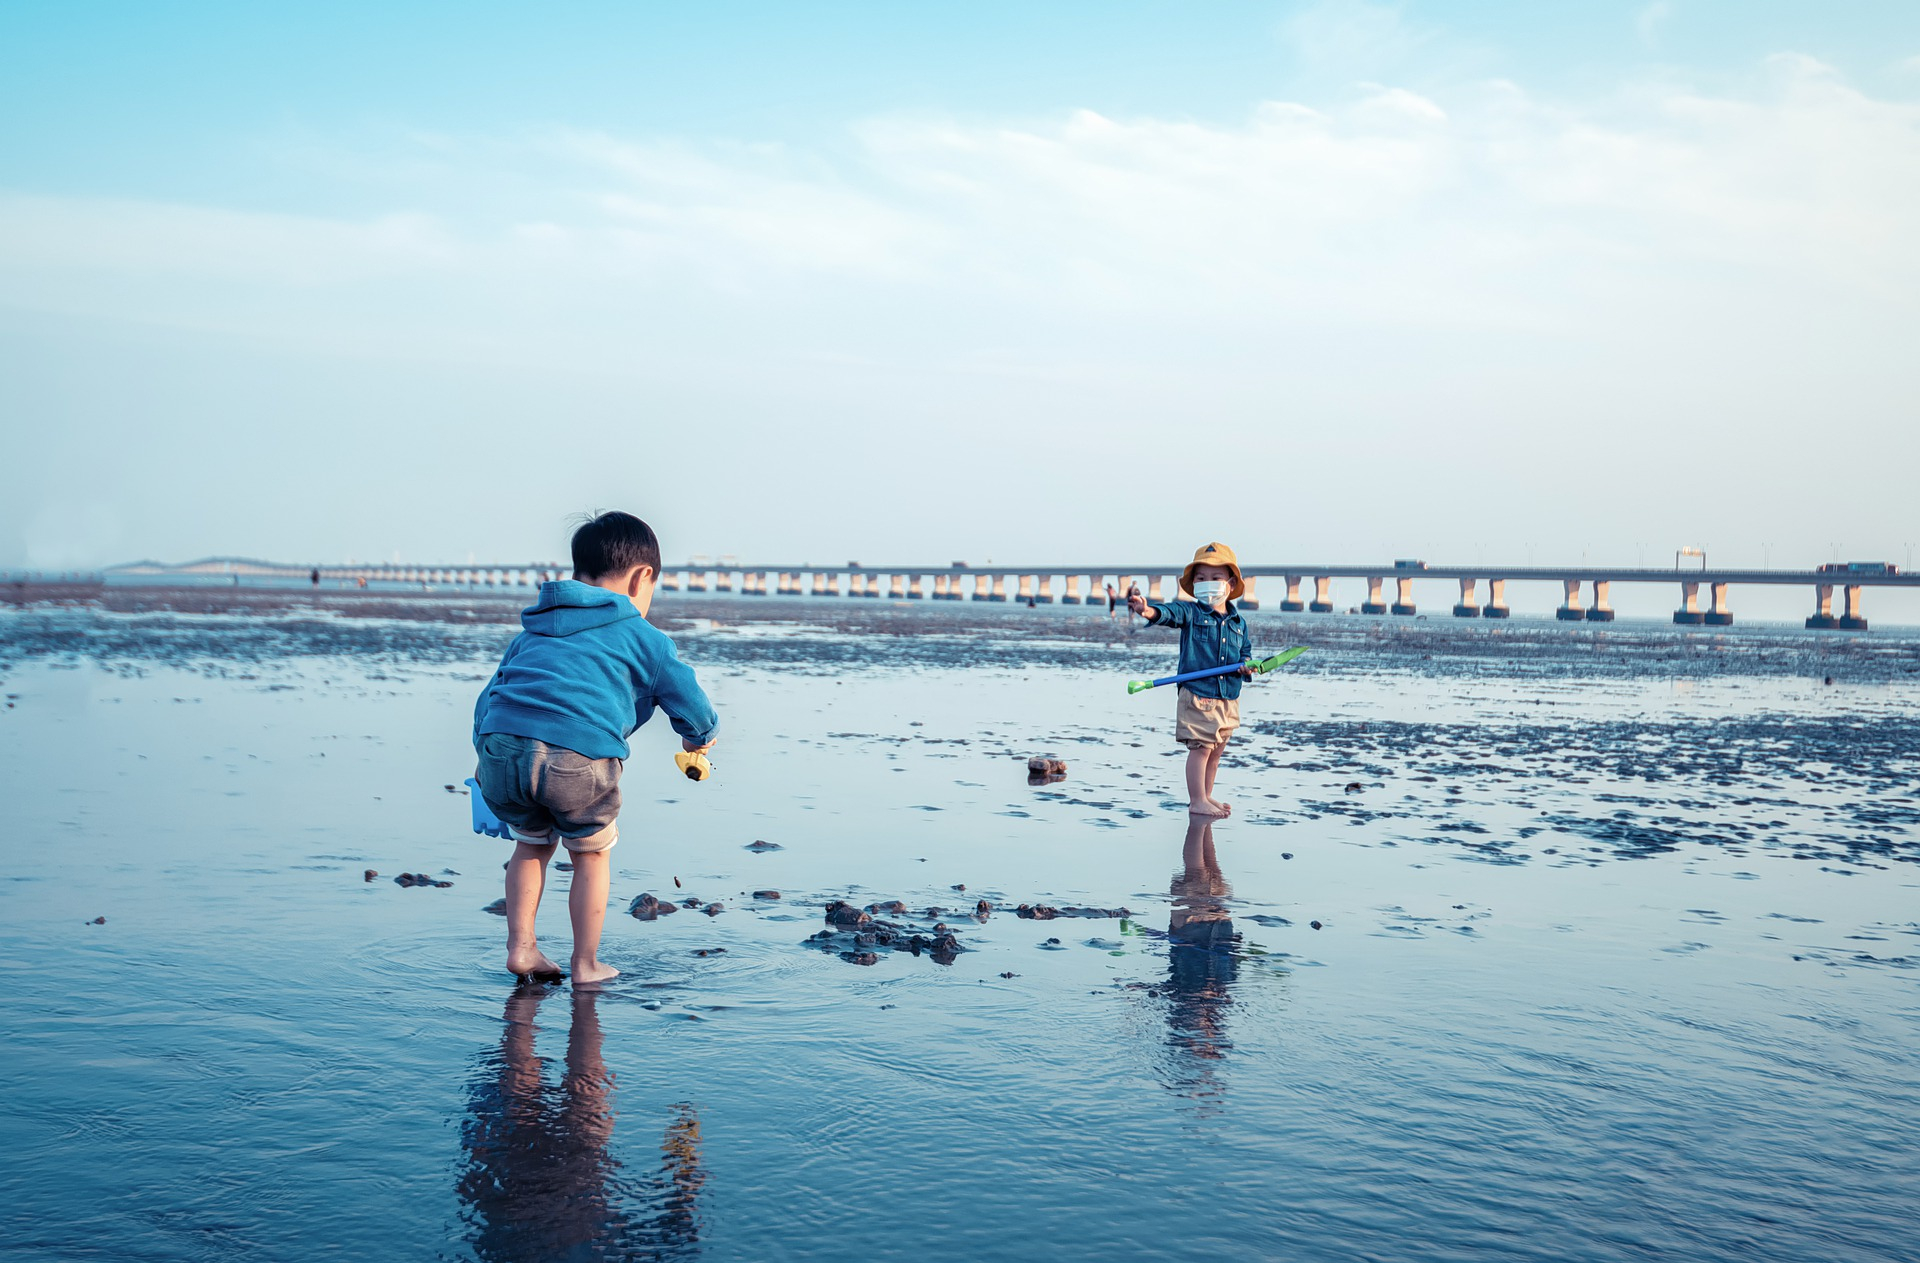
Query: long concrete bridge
x,y
1587,589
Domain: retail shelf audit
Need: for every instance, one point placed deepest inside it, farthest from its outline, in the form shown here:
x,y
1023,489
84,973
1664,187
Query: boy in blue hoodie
x,y
551,730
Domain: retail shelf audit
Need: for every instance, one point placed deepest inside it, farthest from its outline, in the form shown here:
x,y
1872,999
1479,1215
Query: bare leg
x,y
1198,803
526,879
1213,770
587,905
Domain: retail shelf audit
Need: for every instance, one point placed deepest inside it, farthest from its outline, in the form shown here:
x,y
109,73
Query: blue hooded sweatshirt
x,y
586,672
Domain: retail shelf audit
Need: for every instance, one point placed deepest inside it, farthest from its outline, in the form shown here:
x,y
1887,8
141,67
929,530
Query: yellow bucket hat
x,y
1215,554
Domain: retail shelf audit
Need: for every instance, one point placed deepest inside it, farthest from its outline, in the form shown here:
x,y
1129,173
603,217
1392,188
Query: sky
x,y
1476,281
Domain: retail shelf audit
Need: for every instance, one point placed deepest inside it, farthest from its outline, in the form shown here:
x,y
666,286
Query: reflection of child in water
x,y
541,1180
1201,966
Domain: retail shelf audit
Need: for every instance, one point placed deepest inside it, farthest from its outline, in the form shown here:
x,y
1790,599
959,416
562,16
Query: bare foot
x,y
589,972
532,964
1210,809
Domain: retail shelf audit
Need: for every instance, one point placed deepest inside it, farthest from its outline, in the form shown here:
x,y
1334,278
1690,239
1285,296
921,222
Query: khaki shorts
x,y
1204,721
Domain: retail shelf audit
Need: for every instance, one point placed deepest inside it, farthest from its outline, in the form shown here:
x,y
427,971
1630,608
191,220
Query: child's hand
x,y
1136,602
691,748
1246,671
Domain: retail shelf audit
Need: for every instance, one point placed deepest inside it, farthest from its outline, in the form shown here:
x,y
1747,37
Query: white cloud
x,y
1038,243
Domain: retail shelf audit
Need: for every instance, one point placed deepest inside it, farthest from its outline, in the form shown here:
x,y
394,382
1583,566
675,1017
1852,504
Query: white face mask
x,y
1210,592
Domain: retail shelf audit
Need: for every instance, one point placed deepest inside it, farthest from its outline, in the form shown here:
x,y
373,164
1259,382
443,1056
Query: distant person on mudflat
x,y
551,730
1212,634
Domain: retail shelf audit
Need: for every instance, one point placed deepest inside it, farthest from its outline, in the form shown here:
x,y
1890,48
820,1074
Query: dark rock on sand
x,y
418,879
1009,974
564,866
646,908
98,921
370,875
692,903
498,907
1354,787
766,894
845,915
860,958
1046,765
893,906
1314,924
758,845
714,909
708,951
1041,912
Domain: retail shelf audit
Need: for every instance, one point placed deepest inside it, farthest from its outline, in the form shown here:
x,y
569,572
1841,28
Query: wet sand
x,y
1601,948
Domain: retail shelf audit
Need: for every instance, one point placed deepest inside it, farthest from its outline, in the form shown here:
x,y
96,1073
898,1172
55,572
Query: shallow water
x,y
1614,960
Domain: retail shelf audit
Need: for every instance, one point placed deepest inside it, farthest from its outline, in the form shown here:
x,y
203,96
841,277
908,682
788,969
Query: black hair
x,y
614,543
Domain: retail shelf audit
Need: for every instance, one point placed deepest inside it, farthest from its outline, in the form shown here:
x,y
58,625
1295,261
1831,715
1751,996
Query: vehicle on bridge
x,y
1409,563
1859,567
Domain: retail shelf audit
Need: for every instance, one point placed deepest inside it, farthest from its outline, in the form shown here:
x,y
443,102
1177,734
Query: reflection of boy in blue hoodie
x,y
551,729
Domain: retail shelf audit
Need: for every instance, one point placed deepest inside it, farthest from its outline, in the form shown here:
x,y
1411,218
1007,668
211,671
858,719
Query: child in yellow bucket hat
x,y
1212,634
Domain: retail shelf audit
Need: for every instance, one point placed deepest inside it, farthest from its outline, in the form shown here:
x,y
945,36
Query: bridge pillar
x,y
1468,606
1601,611
1689,611
1025,593
982,587
1248,600
696,581
999,587
1720,615
1496,600
825,584
1322,594
1096,589
1403,595
1570,611
1153,589
1292,603
941,582
1045,595
898,583
670,580
1375,602
913,588
1070,589
723,581
1822,616
1853,619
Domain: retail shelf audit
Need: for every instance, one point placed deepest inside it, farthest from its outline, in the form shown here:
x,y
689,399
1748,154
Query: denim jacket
x,y
1207,640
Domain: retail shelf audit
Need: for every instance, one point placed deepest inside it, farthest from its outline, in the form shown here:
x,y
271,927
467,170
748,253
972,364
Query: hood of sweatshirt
x,y
567,606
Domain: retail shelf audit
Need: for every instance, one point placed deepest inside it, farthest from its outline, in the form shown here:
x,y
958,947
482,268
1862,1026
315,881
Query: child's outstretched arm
x,y
677,692
1161,614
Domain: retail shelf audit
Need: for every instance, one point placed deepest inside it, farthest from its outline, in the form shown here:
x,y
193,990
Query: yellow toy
x,y
694,764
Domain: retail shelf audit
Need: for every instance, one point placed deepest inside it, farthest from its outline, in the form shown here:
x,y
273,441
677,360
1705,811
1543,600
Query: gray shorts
x,y
548,794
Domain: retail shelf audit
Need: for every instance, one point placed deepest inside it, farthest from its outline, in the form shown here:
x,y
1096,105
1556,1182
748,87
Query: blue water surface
x,y
1607,968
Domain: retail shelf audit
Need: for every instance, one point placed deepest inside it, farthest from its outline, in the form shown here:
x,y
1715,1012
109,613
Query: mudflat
x,y
1546,942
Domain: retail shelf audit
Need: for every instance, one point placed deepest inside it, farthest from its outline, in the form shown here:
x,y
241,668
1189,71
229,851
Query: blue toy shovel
x,y
1262,666
484,821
